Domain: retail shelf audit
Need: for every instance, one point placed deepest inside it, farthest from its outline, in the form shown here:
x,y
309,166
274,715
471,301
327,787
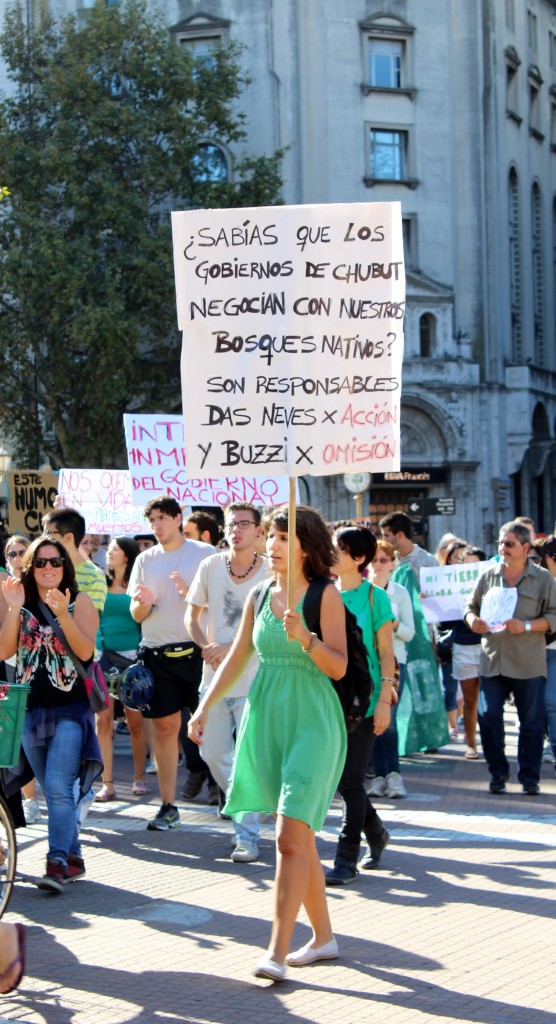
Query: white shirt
x,y
152,568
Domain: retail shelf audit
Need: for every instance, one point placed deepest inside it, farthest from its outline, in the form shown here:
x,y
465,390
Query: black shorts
x,y
177,675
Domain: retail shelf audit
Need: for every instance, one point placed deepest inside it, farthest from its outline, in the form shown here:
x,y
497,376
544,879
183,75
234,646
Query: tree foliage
x,y
100,141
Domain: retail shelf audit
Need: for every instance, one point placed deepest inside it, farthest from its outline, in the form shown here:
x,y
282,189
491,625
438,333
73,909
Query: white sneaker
x,y
32,811
150,768
548,756
395,788
243,852
377,786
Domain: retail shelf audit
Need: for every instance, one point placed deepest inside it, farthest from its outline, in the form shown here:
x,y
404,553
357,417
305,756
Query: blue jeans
x,y
550,699
450,686
56,766
529,702
386,758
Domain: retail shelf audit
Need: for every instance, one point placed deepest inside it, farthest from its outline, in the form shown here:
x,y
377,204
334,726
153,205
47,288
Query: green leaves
x,y
99,141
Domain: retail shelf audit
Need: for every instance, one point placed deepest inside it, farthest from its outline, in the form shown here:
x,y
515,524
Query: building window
x,y
210,163
388,154
427,335
534,82
515,267
532,30
202,49
385,63
538,275
386,54
512,83
510,15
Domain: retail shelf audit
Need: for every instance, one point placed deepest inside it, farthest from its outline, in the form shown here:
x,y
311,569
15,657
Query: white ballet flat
x,y
308,955
270,969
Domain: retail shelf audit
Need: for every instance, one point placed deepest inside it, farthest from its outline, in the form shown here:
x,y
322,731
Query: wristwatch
x,y
528,627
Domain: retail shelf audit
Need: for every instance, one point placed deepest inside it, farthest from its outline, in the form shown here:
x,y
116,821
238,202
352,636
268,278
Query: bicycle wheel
x,y
8,855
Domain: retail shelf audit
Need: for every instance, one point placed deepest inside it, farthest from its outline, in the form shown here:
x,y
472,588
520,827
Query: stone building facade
x,y
450,108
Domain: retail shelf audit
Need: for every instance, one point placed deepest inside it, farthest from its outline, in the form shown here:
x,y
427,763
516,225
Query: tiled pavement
x,y
459,925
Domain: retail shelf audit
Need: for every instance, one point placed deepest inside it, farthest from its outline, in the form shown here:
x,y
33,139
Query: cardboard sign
x,y
31,494
446,589
156,456
292,321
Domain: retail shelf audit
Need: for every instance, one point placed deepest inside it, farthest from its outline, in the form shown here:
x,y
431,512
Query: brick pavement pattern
x,y
457,925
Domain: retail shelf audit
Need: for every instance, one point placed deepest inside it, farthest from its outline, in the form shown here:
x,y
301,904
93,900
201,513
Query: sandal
x,y
139,788
471,754
19,959
105,794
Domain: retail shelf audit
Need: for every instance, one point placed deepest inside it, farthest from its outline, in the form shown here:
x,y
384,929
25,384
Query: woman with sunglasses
x,y
59,735
15,549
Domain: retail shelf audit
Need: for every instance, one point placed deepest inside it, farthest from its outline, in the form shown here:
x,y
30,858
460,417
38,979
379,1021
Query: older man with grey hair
x,y
513,658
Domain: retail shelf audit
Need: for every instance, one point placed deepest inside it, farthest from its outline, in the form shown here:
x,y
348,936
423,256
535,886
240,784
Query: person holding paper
x,y
513,657
291,745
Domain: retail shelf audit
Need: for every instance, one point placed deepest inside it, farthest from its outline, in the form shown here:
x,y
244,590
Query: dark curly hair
x,y
28,577
313,535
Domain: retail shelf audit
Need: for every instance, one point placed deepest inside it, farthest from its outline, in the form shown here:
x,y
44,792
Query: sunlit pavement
x,y
458,924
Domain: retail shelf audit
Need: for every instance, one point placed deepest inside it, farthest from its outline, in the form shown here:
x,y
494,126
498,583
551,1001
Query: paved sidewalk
x,y
459,925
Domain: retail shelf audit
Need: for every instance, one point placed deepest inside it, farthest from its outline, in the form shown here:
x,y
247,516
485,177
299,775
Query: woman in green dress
x,y
292,740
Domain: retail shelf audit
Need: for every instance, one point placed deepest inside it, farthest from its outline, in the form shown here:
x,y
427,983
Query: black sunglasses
x,y
16,554
56,562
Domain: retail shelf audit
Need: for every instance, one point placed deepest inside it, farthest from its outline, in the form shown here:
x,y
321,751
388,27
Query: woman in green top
x,y
118,639
355,549
292,741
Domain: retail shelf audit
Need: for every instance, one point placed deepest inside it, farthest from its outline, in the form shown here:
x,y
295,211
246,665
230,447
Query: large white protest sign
x,y
156,457
292,321
445,589
103,497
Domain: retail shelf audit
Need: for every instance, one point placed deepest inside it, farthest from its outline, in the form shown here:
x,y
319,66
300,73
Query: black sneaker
x,y
168,817
498,785
371,860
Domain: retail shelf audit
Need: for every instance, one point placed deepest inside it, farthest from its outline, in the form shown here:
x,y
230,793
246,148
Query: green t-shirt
x,y
358,602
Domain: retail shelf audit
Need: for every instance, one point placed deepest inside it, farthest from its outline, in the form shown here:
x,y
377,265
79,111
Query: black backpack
x,y
355,688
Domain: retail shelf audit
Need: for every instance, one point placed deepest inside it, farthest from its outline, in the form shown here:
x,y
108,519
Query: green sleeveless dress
x,y
291,745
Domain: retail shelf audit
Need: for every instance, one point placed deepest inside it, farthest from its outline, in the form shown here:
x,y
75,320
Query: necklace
x,y
240,575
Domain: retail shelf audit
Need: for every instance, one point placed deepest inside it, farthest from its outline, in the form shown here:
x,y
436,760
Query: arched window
x,y
427,335
538,274
210,163
515,267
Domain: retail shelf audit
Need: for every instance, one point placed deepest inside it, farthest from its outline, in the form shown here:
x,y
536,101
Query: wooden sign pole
x,y
291,543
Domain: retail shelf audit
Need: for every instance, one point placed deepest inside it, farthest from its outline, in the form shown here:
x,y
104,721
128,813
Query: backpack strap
x,y
312,603
259,595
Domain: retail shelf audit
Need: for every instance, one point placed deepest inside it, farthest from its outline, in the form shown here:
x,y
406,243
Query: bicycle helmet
x,y
137,687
